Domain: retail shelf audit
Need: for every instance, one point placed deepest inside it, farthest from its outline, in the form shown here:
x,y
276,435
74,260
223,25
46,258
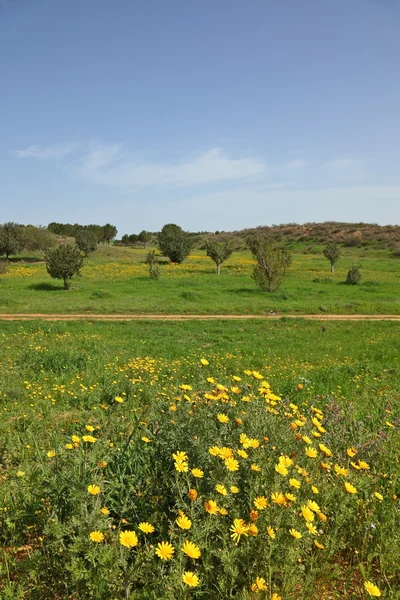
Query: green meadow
x,y
176,460
115,280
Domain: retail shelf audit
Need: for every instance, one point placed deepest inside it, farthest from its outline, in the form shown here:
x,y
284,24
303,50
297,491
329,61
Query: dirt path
x,y
158,317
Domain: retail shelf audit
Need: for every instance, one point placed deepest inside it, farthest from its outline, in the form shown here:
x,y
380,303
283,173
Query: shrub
x,y
10,239
154,266
353,275
219,252
144,237
86,241
332,253
273,262
174,243
64,262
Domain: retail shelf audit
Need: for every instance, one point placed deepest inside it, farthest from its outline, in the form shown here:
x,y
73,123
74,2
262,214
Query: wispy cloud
x,y
56,152
110,165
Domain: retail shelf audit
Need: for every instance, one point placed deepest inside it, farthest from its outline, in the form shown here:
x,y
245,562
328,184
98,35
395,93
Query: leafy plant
x,y
174,243
332,253
86,240
219,253
353,275
11,241
273,261
64,262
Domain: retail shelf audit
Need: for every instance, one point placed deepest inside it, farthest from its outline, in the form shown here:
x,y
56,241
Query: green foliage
x,y
219,252
47,513
64,262
133,238
332,253
86,240
174,243
37,238
154,266
353,275
109,233
103,233
144,237
273,262
11,241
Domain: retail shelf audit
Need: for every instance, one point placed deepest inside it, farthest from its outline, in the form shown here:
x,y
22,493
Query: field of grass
x,y
115,280
294,424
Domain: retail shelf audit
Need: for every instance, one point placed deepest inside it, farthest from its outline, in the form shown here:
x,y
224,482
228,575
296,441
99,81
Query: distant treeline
x,y
104,233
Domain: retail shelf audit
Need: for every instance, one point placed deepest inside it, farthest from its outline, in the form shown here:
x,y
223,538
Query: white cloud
x,y
56,152
109,165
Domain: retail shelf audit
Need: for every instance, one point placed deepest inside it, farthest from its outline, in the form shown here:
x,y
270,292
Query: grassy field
x,y
115,280
92,415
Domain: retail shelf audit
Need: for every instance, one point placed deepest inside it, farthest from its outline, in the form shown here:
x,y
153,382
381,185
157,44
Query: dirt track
x,y
144,317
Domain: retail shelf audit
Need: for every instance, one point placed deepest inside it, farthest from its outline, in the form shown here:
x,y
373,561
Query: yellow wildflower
x,y
146,527
372,589
128,539
165,550
191,550
190,578
96,536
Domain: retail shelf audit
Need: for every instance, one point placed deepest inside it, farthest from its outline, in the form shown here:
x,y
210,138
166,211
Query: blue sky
x,y
219,114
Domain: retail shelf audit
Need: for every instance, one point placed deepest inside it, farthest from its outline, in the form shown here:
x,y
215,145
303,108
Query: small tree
x,y
332,253
144,237
86,240
174,243
133,238
38,238
353,275
10,239
64,263
273,262
219,253
154,266
109,233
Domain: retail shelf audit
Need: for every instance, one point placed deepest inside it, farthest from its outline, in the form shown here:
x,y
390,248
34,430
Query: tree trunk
x,y
66,284
218,269
332,268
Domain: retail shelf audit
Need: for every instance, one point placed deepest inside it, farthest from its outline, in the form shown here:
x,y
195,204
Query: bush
x,y
64,262
332,253
154,266
353,275
10,239
273,262
174,243
86,241
219,253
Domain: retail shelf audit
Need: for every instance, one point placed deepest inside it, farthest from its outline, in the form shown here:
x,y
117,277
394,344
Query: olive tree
x,y
11,241
144,237
38,238
273,261
219,253
64,262
332,253
174,242
86,240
